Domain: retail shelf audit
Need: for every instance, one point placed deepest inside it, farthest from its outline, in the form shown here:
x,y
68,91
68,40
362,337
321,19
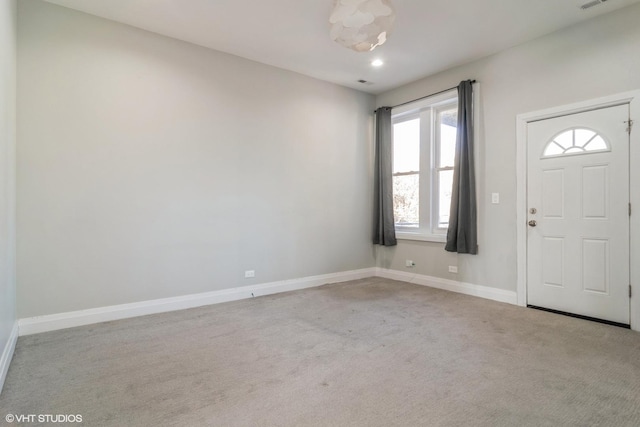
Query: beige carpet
x,y
372,352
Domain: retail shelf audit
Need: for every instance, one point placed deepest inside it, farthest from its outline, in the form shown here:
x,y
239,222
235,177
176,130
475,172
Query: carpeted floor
x,y
372,352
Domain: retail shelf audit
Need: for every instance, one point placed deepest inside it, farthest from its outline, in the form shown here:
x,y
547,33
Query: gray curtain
x,y
462,235
385,231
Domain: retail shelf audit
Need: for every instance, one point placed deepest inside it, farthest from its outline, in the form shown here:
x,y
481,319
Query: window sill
x,y
407,235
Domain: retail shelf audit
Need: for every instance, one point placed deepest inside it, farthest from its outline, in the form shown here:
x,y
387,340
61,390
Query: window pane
x,y
583,136
445,180
406,146
447,122
574,150
565,139
406,200
596,143
553,149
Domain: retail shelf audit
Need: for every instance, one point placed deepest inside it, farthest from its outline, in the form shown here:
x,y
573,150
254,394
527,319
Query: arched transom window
x,y
575,141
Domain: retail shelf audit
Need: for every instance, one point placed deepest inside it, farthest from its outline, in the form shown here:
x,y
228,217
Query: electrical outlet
x,y
409,263
453,269
495,198
249,273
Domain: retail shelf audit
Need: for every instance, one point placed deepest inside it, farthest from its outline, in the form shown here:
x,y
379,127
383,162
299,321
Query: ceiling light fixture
x,y
361,25
377,63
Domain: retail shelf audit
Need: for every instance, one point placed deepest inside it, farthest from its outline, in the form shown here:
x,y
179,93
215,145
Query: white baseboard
x,y
52,322
7,354
486,292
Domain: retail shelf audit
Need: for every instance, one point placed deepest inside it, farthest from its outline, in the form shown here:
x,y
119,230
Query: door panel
x,y
553,193
595,265
552,261
595,191
578,184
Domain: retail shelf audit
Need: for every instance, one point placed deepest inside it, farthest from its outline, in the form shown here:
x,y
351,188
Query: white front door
x,y
578,213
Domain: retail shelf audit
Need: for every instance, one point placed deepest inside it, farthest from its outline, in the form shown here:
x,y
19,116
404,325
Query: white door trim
x,y
632,98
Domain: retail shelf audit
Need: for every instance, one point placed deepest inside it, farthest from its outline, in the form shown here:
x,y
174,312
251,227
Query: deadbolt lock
x,y
533,211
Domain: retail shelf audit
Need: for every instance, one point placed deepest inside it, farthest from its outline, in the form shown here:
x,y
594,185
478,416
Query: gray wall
x,y
152,168
7,170
597,58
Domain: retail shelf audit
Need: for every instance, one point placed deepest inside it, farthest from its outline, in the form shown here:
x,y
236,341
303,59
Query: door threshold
x,y
579,316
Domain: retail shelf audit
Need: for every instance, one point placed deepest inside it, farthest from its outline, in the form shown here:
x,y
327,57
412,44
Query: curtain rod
x,y
427,96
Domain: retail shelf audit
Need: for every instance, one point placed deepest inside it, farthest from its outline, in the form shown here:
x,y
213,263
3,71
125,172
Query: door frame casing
x,y
522,120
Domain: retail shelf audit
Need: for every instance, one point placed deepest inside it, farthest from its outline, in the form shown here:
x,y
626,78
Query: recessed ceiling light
x,y
377,63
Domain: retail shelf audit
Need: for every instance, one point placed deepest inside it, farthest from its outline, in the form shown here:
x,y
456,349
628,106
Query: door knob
x,y
532,223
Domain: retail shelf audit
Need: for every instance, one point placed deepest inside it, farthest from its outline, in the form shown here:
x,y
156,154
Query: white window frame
x,y
428,229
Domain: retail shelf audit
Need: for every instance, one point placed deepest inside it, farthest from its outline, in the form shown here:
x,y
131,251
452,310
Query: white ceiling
x,y
430,36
